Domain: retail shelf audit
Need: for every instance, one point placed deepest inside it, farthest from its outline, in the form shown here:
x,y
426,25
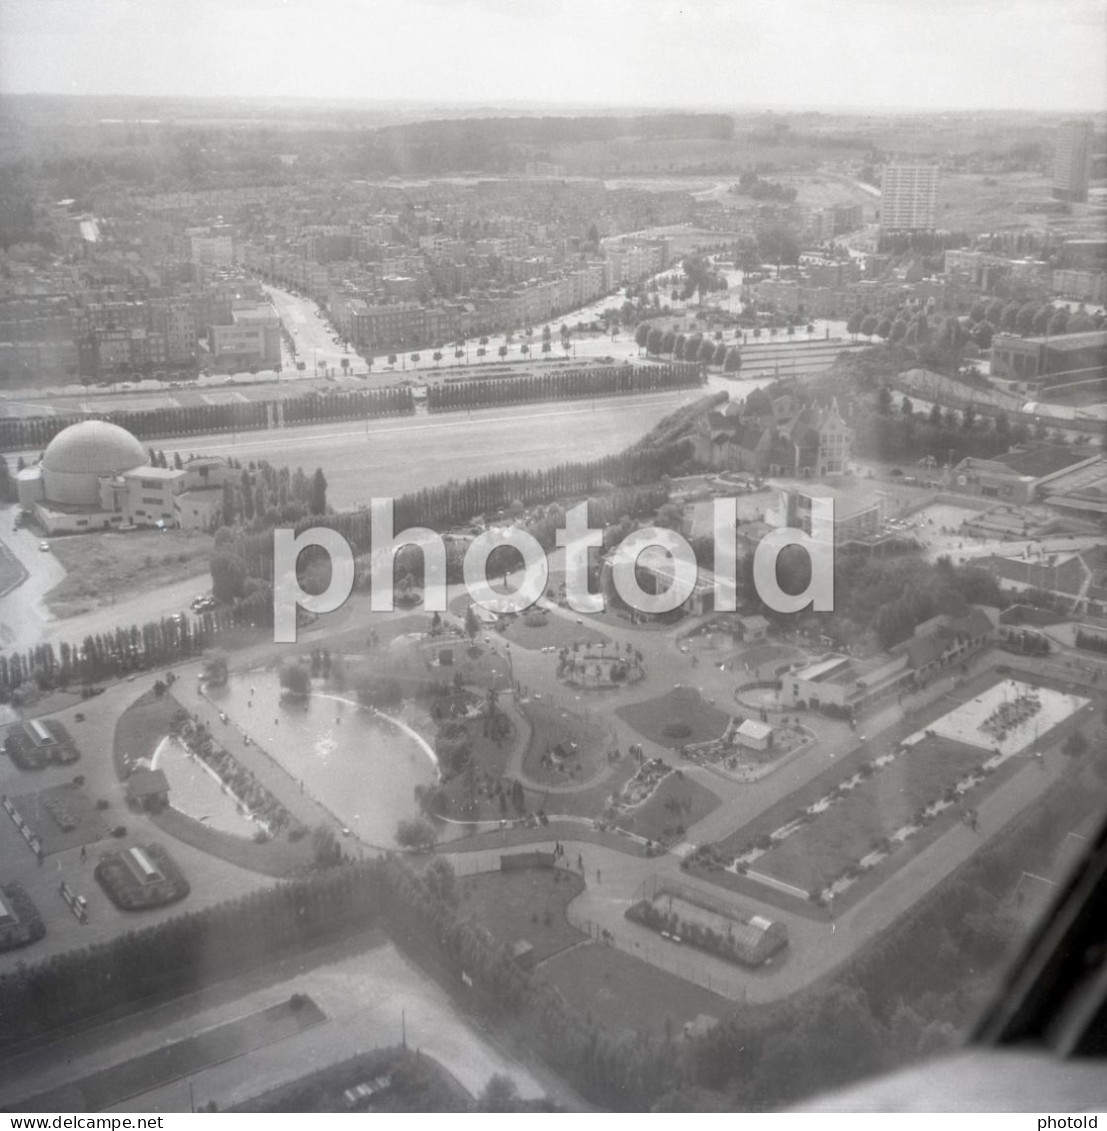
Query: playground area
x,y
1006,718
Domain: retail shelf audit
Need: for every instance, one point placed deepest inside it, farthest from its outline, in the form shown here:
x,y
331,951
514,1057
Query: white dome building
x,y
79,456
95,476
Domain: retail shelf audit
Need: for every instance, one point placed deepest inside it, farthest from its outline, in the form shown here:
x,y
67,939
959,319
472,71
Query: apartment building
x,y
909,197
1070,161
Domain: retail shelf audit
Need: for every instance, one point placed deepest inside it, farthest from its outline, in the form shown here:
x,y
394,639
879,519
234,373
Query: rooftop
x,y
150,472
1041,461
754,730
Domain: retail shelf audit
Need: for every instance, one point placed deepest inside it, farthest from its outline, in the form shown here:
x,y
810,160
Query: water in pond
x,y
363,767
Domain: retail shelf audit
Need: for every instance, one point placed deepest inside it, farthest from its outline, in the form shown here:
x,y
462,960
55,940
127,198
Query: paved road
x,y
363,996
313,336
25,620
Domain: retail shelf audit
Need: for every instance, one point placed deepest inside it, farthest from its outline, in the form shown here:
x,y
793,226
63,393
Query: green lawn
x,y
140,728
516,905
558,632
550,726
628,994
681,705
845,833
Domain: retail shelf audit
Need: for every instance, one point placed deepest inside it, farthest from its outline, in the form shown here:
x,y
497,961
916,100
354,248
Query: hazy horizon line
x,y
568,104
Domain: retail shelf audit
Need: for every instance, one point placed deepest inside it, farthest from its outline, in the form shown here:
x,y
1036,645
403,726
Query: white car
x,y
44,547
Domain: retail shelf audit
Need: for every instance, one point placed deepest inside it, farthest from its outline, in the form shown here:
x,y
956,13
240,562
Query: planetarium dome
x,y
79,456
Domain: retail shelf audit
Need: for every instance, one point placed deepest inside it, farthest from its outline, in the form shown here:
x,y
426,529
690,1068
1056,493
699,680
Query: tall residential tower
x,y
1070,161
909,198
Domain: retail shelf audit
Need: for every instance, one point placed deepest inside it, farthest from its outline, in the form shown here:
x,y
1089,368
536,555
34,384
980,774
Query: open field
x,y
103,567
626,993
974,202
524,904
376,461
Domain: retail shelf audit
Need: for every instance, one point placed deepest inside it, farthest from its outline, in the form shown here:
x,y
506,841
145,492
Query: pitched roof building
x,y
779,438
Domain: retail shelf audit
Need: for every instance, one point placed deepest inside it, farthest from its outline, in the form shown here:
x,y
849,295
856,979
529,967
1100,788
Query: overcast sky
x,y
913,54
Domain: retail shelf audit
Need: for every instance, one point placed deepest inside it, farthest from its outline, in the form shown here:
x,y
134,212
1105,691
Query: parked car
x,y
44,547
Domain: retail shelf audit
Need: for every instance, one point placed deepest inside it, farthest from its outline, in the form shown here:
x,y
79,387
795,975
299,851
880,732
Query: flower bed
x,y
25,925
120,880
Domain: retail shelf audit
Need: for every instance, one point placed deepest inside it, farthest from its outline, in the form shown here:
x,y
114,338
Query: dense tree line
x,y
112,655
454,504
496,144
264,496
1091,642
240,416
885,598
942,435
608,381
419,911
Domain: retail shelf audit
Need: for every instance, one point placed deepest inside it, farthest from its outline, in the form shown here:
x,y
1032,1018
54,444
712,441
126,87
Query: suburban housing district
x,y
666,857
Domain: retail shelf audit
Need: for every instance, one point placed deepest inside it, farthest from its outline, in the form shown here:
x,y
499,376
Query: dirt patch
x,y
103,567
